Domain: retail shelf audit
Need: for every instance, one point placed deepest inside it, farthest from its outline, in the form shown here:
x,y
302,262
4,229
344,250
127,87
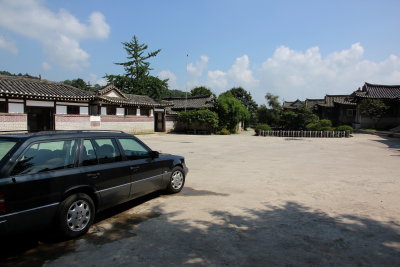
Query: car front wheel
x,y
76,215
177,180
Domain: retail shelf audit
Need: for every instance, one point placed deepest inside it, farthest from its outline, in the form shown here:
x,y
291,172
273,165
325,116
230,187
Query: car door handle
x,y
93,175
134,168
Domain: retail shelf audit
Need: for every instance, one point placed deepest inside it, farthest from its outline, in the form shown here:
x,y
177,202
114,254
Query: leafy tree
x,y
247,101
298,119
273,114
204,118
200,90
231,112
175,93
262,114
373,108
78,83
137,78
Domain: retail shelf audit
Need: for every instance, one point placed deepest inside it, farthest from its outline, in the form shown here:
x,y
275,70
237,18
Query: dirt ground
x,y
250,201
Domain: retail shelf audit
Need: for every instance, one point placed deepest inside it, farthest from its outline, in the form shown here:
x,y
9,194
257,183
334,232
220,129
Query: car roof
x,y
61,134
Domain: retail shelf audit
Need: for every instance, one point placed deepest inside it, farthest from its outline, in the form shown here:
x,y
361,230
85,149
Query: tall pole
x,y
186,89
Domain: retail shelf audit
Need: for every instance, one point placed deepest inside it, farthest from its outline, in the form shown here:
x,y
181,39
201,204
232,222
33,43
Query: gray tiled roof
x,y
379,91
310,103
127,99
191,102
331,99
15,86
293,104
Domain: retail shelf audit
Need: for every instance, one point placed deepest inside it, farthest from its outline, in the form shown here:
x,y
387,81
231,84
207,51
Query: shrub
x,y
345,128
261,127
224,132
321,125
202,118
326,128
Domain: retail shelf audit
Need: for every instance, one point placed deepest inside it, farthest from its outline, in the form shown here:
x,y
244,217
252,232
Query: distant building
x,y
34,104
179,104
389,94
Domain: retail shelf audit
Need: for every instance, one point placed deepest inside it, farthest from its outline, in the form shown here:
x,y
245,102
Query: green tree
x,y
374,109
262,114
273,113
201,119
175,93
137,78
200,90
247,101
78,83
298,119
231,112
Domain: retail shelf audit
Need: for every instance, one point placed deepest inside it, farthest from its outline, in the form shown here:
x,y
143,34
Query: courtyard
x,y
261,201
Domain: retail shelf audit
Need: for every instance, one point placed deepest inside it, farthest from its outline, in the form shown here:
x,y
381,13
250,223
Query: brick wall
x,y
11,122
133,124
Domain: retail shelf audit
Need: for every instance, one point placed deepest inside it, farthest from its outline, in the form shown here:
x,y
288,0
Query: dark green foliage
x,y
203,118
262,127
137,78
272,114
78,83
298,119
321,125
373,108
26,75
247,101
262,114
200,90
345,128
231,112
175,93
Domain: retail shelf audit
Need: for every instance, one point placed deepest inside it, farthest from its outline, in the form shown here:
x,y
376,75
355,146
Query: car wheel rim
x,y
177,180
78,215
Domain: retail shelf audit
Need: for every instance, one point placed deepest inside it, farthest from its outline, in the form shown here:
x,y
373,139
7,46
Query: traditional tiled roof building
x,y
389,94
35,104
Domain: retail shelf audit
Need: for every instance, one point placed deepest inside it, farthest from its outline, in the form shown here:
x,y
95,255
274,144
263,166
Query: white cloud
x,y
295,74
239,74
46,66
197,68
217,79
166,74
9,45
60,33
94,79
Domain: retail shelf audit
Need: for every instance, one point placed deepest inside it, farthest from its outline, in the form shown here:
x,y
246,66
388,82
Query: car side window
x,y
46,156
106,150
133,149
88,154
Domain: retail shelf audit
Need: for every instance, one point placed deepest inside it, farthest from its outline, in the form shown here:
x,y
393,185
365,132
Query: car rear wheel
x,y
177,180
76,215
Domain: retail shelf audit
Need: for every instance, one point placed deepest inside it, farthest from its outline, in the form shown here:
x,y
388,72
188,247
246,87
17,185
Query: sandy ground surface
x,y
261,201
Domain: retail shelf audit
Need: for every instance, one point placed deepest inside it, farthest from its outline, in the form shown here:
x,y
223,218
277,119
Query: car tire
x,y
75,215
176,181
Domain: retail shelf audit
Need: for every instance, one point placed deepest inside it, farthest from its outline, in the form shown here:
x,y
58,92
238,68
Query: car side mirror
x,y
154,154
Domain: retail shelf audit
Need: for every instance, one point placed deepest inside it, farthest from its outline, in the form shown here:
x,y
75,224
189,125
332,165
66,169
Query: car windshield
x,y
5,147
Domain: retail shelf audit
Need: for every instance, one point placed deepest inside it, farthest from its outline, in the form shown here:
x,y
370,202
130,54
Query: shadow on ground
x,y
391,142
34,248
288,235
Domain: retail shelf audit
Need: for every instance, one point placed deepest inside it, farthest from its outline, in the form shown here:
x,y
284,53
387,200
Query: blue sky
x,y
294,49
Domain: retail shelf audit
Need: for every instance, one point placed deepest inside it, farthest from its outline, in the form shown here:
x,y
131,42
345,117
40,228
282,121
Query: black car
x,y
62,178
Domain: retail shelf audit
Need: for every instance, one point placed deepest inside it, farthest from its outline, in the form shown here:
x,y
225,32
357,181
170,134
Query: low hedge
x,y
345,128
262,127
